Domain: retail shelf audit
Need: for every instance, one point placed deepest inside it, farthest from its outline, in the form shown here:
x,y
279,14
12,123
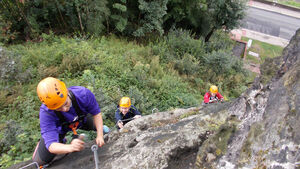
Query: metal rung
x,y
34,163
154,110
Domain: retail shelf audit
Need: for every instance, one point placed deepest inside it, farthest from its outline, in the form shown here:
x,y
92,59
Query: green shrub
x,y
12,69
221,62
9,130
7,34
44,59
188,65
220,40
181,42
179,48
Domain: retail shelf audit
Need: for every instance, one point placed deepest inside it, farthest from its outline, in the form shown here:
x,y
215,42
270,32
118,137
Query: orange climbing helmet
x,y
125,102
213,89
52,92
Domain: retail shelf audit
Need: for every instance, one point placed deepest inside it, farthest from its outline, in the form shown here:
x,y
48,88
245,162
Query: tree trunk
x,y
209,34
79,18
61,17
25,19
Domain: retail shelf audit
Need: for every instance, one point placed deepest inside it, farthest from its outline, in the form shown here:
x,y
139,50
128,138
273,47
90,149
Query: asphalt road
x,y
270,23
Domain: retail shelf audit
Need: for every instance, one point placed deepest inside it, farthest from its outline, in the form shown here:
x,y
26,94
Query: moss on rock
x,y
216,145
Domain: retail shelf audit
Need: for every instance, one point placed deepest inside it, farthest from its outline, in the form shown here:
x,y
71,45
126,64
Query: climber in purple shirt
x,y
65,110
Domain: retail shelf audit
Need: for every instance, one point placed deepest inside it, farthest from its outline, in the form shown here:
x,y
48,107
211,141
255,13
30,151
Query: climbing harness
x,y
94,149
74,126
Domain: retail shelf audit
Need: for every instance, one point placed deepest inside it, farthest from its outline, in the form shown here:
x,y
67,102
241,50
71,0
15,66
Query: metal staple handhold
x,y
94,148
34,163
154,110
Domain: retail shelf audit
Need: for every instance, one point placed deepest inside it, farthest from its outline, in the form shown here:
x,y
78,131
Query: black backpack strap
x,y
62,119
78,111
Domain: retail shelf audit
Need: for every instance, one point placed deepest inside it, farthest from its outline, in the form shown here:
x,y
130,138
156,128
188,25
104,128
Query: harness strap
x,y
73,125
78,111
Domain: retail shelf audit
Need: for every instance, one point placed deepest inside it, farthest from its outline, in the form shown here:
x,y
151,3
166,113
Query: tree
x,y
224,14
186,14
118,17
32,18
137,18
153,13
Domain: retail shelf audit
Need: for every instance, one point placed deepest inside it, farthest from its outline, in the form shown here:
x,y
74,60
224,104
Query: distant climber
x,y
65,109
213,95
125,112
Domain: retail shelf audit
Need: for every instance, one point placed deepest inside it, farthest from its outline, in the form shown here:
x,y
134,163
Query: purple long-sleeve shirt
x,y
50,124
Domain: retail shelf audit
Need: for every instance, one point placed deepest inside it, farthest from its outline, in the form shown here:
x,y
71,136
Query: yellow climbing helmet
x,y
213,89
52,92
125,102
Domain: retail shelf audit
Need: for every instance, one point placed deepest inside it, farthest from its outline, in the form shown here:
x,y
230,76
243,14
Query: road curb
x,y
269,6
278,5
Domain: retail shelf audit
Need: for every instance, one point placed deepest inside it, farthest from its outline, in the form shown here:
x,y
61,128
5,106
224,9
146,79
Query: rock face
x,y
268,134
260,129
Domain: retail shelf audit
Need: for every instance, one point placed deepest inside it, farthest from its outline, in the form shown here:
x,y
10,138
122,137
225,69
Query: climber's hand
x,y
100,141
76,145
120,124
